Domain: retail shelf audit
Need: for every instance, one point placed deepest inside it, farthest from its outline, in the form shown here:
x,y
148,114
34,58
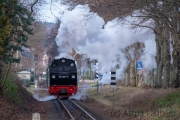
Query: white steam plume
x,y
88,37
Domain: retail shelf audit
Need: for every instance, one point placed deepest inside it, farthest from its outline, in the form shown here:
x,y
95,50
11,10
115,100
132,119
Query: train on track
x,y
62,78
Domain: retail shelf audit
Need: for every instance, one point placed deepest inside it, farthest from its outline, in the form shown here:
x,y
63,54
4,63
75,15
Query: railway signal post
x,y
139,68
113,82
97,77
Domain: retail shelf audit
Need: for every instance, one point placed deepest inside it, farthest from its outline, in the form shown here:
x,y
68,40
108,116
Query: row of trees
x,y
160,16
15,26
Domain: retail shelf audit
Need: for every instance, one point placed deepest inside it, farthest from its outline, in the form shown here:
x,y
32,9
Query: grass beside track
x,y
156,104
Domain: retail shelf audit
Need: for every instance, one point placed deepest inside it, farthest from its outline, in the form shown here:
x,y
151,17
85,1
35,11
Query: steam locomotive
x,y
62,77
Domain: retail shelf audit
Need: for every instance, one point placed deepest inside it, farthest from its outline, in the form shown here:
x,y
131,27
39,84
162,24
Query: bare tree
x,y
132,54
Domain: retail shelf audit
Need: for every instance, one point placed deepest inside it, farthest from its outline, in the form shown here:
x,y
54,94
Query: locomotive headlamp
x,y
73,76
72,64
53,76
63,60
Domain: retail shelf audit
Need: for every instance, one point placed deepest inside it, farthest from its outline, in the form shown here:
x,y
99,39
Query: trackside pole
x,y
139,67
113,99
97,77
97,87
139,76
113,84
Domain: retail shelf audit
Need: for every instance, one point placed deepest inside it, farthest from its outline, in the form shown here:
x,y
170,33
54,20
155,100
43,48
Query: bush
x,y
11,90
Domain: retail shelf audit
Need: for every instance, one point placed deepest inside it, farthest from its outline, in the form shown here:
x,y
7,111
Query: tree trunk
x,y
127,75
176,47
1,78
159,74
159,54
127,79
158,63
175,81
153,78
166,59
1,70
132,74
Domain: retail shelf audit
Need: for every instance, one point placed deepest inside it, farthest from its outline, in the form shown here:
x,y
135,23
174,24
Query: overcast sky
x,y
50,11
88,37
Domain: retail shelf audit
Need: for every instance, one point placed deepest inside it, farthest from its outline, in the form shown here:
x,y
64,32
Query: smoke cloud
x,y
45,98
86,36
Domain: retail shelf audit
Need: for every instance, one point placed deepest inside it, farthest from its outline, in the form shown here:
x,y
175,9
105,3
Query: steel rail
x,y
83,110
66,110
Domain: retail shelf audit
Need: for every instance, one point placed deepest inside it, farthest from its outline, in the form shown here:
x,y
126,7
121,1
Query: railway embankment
x,y
19,104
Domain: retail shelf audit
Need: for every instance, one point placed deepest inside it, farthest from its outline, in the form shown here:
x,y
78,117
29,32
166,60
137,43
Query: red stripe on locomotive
x,y
60,90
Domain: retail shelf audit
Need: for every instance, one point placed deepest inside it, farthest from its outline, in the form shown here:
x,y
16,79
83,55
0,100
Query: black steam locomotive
x,y
62,77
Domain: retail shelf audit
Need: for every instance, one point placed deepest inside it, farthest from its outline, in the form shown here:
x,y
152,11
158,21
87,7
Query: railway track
x,y
75,111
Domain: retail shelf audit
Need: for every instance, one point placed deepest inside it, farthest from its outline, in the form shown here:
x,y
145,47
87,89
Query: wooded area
x,y
22,37
160,16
